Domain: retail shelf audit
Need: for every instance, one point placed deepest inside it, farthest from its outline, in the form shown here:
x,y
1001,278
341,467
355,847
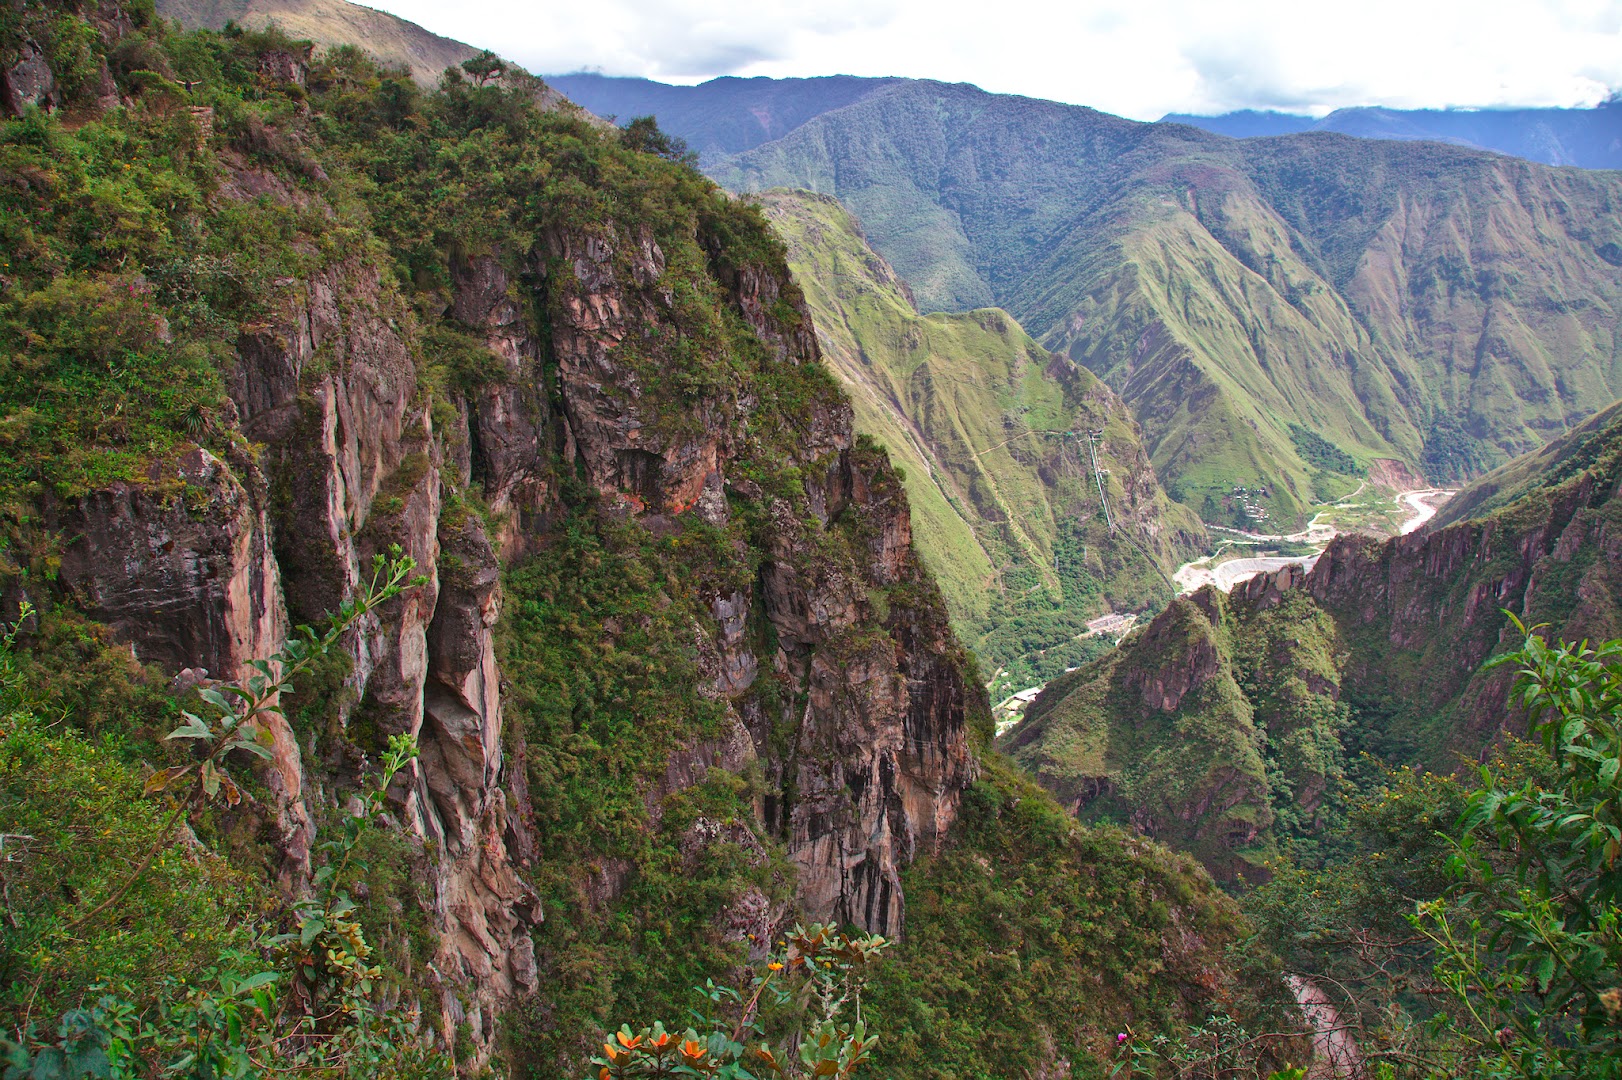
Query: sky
x,y
1136,58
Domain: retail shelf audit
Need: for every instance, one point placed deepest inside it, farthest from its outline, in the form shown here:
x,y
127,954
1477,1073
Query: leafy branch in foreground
x,y
1535,954
239,1021
791,1011
300,1001
240,706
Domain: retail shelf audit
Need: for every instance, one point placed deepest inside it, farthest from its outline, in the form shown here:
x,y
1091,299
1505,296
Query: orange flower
x,y
658,1041
775,966
628,1041
692,1050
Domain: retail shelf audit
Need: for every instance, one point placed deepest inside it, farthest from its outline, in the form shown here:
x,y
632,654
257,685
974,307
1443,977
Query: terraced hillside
x,y
991,429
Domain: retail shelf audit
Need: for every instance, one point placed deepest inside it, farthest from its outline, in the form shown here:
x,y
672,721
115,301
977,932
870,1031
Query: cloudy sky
x,y
1138,58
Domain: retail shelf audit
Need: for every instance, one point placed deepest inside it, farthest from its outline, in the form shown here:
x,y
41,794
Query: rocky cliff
x,y
1222,726
644,372
676,674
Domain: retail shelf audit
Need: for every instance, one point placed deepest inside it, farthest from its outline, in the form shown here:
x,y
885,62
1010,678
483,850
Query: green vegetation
x,y
1591,456
1215,730
1317,450
1227,289
158,956
1542,957
991,430
1253,711
795,1007
1474,933
656,807
1016,956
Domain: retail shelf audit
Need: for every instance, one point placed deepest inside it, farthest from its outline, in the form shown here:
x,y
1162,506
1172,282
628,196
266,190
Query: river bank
x,y
1415,507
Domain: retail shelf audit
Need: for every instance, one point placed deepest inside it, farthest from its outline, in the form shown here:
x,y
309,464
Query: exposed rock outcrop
x,y
207,564
1287,654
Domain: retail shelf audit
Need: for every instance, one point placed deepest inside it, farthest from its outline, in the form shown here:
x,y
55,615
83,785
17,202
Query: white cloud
x,y
1139,58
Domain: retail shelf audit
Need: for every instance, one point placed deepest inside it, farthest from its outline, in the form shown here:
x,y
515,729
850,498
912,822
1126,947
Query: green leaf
x,y
193,728
1543,972
214,697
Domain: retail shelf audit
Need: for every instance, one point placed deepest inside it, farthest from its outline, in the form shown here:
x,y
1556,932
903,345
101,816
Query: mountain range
x,y
1436,306
1587,138
1228,725
663,524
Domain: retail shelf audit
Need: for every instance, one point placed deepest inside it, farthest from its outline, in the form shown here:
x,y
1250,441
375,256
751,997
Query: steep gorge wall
x,y
1381,647
346,450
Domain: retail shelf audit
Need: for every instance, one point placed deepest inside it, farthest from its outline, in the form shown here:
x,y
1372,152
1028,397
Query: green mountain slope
x,y
1441,306
330,23
991,429
666,676
1540,470
1223,727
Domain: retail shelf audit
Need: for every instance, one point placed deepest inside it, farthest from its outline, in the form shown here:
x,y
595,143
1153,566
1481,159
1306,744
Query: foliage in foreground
x,y
797,1014
1476,933
295,988
1532,946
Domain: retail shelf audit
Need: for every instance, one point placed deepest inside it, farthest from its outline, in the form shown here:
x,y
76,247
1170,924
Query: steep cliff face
x,y
1380,648
675,671
880,749
650,380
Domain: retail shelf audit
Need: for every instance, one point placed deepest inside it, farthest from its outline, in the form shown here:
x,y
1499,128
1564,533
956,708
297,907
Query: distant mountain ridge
x,y
1586,138
723,116
1436,305
1444,307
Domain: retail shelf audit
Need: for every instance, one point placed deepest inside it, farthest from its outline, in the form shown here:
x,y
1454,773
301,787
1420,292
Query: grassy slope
x,y
1549,466
329,23
1446,307
1004,505
1243,759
